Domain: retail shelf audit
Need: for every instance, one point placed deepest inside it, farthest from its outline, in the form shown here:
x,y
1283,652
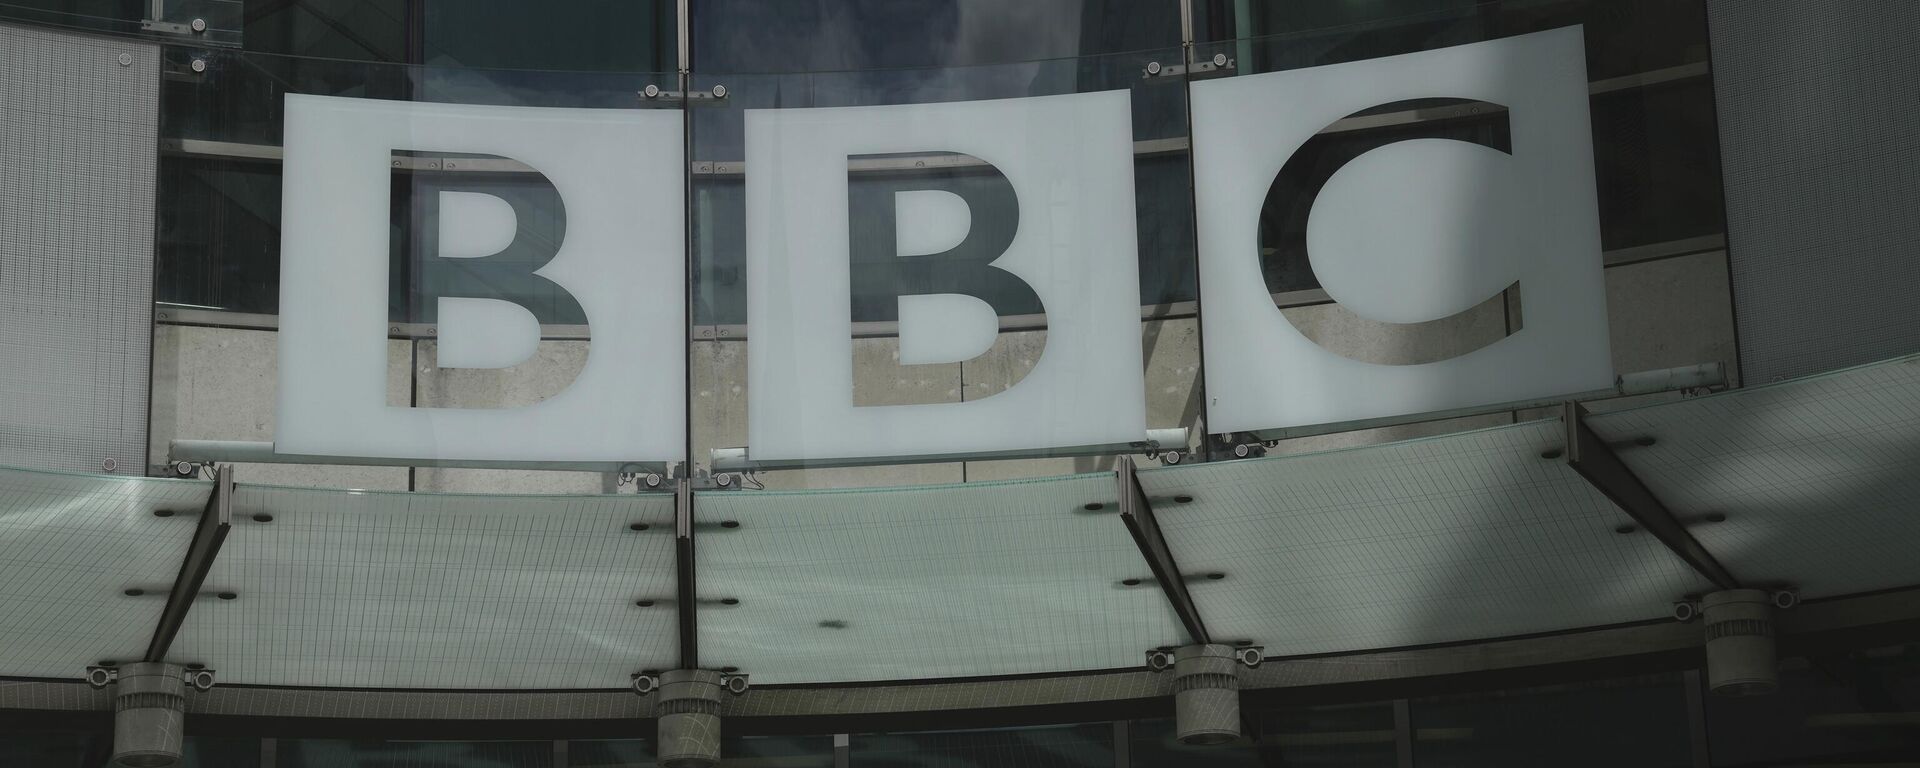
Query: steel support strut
x,y
215,522
1138,515
684,574
1596,461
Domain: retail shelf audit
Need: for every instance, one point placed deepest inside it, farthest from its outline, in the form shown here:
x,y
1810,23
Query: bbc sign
x,y
1409,232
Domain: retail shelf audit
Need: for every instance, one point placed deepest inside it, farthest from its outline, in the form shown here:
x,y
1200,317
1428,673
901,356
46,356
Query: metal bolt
x,y
126,59
651,92
199,25
109,465
199,65
719,91
1219,59
1153,67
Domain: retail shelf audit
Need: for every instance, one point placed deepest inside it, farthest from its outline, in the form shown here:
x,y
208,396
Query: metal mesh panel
x,y
1820,137
77,143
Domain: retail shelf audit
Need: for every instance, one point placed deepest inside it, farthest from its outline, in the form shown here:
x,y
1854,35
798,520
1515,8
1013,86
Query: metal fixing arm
x,y
215,521
1138,515
687,604
1596,461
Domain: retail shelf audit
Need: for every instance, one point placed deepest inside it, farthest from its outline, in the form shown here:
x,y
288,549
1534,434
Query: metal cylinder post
x,y
149,715
1206,694
1740,650
689,713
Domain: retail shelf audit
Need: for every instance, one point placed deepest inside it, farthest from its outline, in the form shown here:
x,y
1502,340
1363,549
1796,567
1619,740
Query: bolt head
x,y
199,65
126,59
651,92
198,25
1219,59
719,91
1153,67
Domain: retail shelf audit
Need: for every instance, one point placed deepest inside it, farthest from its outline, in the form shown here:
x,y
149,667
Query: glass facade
x,y
1009,187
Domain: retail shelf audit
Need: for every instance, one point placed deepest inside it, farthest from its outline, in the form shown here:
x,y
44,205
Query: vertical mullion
x,y
1402,733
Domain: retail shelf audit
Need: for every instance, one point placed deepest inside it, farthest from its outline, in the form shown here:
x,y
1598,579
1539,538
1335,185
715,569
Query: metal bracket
x,y
1689,609
644,683
99,677
1249,656
735,683
654,93
1137,513
1219,62
1596,461
216,520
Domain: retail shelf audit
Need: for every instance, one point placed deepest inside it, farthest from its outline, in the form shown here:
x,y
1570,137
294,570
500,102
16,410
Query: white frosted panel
x,y
70,546
1068,160
77,164
1461,537
1816,476
618,175
416,590
1411,232
935,582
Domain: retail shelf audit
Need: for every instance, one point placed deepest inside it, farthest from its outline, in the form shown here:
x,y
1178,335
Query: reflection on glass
x,y
1064,746
1638,722
782,751
1860,708
341,753
831,35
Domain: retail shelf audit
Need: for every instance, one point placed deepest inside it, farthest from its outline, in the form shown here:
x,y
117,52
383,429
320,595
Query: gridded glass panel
x,y
1063,746
1466,536
944,581
415,590
1640,722
85,565
1815,477
340,753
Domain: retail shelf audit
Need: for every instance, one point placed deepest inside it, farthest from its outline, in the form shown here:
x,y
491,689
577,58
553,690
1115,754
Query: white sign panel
x,y
1409,232
618,174
1069,162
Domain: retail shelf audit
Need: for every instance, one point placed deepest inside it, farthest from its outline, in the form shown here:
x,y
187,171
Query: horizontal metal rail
x,y
254,452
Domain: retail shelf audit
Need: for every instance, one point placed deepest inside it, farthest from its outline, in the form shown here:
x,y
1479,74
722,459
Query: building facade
x,y
453,379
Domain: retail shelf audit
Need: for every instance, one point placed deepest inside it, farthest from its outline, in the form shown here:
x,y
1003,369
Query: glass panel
x,y
117,16
1806,482
780,751
54,748
85,565
1638,722
590,35
1841,709
340,753
1343,736
826,35
417,590
1471,535
1079,179
955,581
1063,746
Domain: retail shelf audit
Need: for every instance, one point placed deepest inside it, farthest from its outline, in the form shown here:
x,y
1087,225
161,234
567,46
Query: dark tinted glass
x,y
831,35
1843,709
1065,746
340,753
1638,722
